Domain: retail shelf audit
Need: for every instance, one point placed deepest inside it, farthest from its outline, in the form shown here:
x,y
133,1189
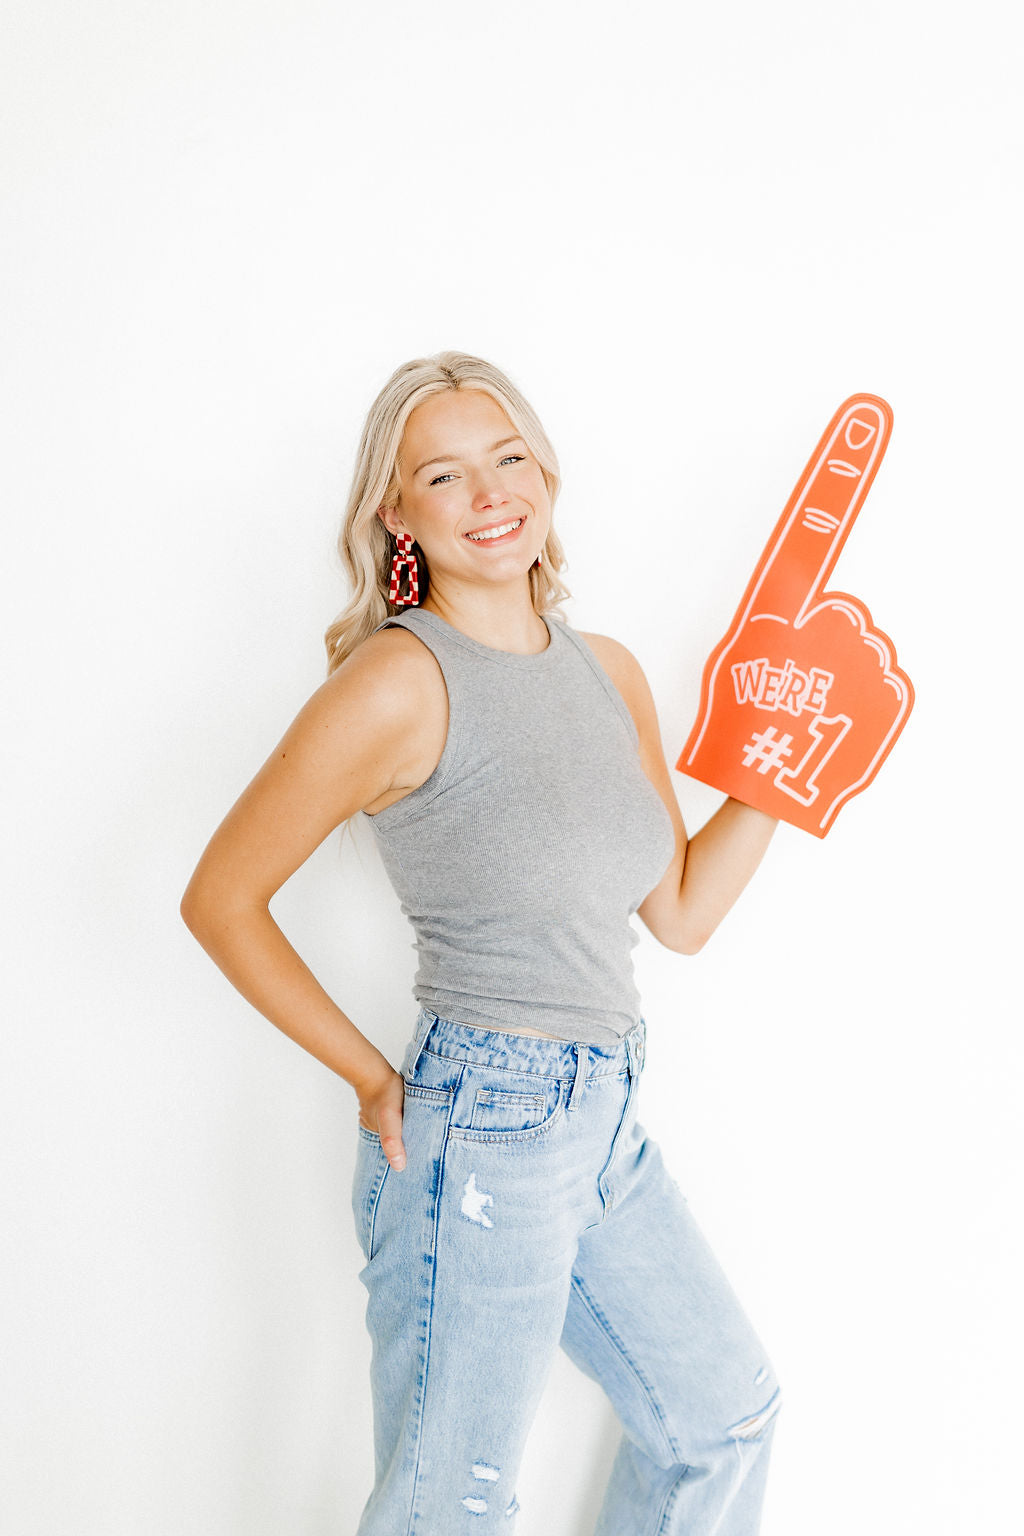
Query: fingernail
x,y
399,1161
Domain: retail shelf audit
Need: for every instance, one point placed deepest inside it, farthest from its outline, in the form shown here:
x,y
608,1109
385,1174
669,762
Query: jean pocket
x,y
492,1104
368,1177
440,1097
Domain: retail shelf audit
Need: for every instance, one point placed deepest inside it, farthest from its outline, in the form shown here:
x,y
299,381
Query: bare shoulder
x,y
391,691
621,666
392,667
379,715
369,734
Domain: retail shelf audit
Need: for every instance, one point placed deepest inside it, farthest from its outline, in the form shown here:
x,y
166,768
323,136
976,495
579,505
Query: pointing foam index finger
x,y
807,538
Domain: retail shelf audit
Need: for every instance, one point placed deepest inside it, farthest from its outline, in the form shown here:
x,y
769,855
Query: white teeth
x,y
494,533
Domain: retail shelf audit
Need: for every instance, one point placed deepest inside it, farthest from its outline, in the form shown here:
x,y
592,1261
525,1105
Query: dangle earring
x,y
404,559
539,561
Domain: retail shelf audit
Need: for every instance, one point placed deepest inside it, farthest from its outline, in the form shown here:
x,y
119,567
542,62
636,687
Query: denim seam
x,y
524,1137
485,1095
528,1134
520,1070
380,1177
417,1090
669,1503
438,1195
424,1024
617,1344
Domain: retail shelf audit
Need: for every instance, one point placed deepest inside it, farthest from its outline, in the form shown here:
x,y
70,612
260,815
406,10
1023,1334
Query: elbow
x,y
190,910
691,942
197,907
211,909
680,932
691,933
682,940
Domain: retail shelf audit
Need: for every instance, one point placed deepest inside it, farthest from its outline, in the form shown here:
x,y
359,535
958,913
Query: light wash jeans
x,y
535,1211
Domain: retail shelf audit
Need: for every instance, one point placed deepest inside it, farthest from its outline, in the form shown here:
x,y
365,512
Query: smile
x,y
500,531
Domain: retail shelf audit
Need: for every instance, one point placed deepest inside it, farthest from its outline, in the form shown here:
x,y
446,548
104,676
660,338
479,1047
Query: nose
x,y
490,493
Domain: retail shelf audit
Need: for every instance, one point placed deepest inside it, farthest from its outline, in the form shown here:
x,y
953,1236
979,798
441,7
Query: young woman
x,y
506,1199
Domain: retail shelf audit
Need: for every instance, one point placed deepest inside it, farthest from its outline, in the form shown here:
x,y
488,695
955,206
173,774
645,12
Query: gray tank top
x,y
521,859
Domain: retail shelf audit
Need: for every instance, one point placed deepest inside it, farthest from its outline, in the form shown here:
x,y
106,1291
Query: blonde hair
x,y
365,545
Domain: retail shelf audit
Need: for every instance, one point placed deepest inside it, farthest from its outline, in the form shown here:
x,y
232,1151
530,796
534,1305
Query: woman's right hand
x,y
380,1109
364,736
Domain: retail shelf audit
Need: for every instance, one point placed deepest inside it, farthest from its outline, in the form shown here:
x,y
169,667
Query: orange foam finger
x,y
806,540
802,700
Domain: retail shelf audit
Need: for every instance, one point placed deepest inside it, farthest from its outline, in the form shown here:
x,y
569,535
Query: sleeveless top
x,y
521,859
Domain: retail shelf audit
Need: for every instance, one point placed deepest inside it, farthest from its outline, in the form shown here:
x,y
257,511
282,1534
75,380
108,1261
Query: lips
x,y
492,533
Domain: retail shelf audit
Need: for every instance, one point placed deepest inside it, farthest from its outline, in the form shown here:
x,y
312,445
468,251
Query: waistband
x,y
570,1059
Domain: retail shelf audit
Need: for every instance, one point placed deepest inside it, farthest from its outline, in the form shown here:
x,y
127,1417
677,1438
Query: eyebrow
x,y
447,458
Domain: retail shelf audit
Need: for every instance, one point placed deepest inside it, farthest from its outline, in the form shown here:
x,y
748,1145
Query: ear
x,y
391,518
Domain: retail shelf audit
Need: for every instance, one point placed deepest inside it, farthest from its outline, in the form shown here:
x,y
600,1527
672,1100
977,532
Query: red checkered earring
x,y
404,559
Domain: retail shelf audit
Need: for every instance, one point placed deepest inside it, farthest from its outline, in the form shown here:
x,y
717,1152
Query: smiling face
x,y
473,496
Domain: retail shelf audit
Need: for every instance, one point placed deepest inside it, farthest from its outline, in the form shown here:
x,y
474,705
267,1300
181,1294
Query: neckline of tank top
x,y
532,659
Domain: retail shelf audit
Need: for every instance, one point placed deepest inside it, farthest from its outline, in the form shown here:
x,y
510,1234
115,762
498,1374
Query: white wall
x,y
688,232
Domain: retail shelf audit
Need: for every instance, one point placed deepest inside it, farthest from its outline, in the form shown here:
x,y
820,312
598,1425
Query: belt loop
x,y
424,1024
635,1042
580,1080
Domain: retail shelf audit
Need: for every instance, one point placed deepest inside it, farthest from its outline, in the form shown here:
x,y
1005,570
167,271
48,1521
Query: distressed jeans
x,y
534,1211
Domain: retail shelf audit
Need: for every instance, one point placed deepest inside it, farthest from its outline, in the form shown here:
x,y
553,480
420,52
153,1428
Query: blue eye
x,y
509,457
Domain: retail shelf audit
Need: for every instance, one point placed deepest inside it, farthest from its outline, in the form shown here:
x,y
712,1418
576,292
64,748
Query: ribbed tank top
x,y
522,858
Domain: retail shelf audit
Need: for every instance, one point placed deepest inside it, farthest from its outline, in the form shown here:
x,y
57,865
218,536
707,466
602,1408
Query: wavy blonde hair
x,y
365,545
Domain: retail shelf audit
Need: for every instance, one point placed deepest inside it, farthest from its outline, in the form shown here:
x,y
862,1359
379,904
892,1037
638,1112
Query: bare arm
x,y
709,870
370,733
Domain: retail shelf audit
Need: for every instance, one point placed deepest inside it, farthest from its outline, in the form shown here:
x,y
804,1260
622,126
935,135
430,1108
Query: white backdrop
x,y
687,233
